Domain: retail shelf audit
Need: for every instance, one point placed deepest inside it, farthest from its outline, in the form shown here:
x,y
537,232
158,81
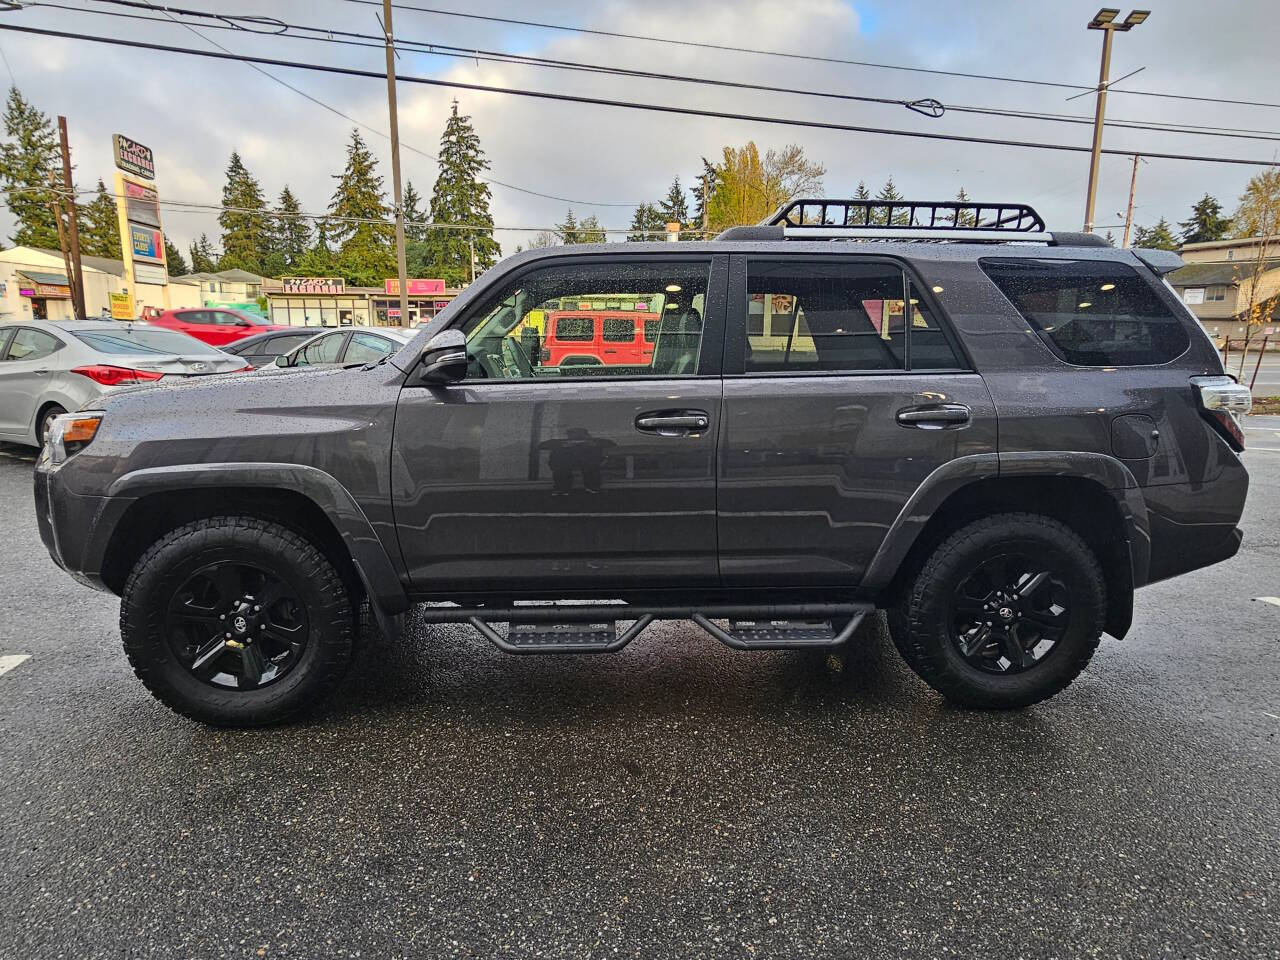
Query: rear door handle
x,y
672,423
935,416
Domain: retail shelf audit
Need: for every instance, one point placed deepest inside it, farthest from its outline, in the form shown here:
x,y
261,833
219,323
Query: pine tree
x,y
292,231
364,237
1206,222
568,231
30,152
319,260
889,194
646,224
244,220
1110,238
175,264
862,193
415,230
590,231
674,208
461,197
1159,237
99,225
204,259
707,182
964,218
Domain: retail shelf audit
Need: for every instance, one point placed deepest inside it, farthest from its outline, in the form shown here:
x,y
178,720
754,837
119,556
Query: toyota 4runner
x,y
996,432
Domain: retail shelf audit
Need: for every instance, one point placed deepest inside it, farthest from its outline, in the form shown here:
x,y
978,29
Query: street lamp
x,y
1104,20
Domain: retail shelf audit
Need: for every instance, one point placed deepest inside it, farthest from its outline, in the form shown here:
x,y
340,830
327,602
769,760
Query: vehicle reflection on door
x,y
578,453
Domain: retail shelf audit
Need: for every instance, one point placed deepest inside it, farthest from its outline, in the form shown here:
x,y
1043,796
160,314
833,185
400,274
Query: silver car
x,y
50,368
343,347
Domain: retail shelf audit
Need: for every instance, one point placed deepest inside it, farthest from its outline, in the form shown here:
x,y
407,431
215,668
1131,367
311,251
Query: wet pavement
x,y
675,799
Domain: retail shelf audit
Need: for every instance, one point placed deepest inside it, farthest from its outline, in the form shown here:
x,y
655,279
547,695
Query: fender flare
x,y
376,570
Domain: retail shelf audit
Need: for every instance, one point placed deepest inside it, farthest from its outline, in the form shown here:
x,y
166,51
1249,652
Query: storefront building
x,y
329,302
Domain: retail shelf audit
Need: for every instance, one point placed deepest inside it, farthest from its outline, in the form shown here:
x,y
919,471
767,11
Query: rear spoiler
x,y
1160,261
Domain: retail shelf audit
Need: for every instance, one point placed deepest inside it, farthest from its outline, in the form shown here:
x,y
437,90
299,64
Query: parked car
x,y
342,347
614,337
261,349
48,368
217,327
997,441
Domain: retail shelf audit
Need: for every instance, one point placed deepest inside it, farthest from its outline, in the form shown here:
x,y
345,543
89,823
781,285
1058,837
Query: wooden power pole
x,y
77,280
1128,216
401,261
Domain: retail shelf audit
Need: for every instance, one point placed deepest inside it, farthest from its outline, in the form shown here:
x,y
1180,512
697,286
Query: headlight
x,y
70,433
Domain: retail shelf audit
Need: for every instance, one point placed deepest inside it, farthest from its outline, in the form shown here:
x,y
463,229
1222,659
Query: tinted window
x,y
575,329
805,315
28,344
619,329
321,350
136,340
367,347
195,316
228,319
273,346
1091,313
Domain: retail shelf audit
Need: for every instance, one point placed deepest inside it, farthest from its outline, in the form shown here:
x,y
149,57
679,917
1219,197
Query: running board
x,y
594,627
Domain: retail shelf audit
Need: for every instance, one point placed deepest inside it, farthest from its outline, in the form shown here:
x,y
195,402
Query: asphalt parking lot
x,y
676,799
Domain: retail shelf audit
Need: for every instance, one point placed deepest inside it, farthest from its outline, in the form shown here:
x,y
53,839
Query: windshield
x,y
135,340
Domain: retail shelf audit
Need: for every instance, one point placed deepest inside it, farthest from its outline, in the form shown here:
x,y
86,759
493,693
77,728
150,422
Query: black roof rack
x,y
910,220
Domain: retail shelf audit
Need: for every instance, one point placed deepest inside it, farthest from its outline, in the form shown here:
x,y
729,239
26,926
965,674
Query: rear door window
x,y
323,349
29,344
1091,313
367,347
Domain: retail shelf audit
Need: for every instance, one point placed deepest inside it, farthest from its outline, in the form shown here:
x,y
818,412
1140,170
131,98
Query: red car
x,y
215,326
610,337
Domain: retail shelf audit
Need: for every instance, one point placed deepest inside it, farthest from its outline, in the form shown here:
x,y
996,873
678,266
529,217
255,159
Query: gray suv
x,y
995,432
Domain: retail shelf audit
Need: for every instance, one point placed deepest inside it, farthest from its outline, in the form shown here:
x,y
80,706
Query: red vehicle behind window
x,y
612,337
215,327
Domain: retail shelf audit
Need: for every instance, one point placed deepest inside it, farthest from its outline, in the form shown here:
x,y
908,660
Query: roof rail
x,y
910,220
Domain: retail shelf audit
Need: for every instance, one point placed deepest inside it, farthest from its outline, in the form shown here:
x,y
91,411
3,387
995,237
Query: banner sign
x,y
417,288
146,243
49,290
312,284
142,205
133,157
121,306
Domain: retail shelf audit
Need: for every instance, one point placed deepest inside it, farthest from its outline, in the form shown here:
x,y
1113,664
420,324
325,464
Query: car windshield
x,y
135,340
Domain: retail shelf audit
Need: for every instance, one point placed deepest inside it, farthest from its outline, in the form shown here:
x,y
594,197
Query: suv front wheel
x,y
236,621
1005,613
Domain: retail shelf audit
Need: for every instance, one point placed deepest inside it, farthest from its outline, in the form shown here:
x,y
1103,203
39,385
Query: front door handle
x,y
935,416
673,423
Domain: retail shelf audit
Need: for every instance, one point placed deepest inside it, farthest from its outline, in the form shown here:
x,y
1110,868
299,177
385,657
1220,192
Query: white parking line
x,y
11,660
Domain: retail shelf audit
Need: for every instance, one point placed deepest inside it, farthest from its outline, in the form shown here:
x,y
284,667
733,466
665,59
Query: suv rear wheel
x,y
1006,612
236,621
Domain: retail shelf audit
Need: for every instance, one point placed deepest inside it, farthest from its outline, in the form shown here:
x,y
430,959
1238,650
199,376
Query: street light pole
x,y
402,268
1105,20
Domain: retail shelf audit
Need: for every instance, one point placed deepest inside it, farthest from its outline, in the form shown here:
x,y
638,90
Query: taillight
x,y
110,376
1223,402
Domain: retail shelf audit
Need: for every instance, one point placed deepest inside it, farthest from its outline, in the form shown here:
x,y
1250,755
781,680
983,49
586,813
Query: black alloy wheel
x,y
236,625
1010,614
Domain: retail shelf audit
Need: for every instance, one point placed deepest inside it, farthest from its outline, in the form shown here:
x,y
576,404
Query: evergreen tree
x,y
647,224
30,152
99,225
706,188
589,231
415,217
964,218
862,193
673,207
1110,238
461,197
319,260
360,228
204,259
889,194
1159,237
174,261
1206,222
292,233
568,230
246,227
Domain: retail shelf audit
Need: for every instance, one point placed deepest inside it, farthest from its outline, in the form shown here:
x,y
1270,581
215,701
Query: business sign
x,y
312,285
121,306
146,243
151,273
142,205
417,288
133,157
440,304
1193,295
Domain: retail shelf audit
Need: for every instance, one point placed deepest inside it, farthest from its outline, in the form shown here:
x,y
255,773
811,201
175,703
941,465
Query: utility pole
x,y
55,204
1128,216
705,200
77,288
401,264
471,245
1105,20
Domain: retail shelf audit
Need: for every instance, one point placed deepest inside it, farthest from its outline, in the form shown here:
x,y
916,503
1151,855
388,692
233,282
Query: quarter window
x,y
1091,312
28,344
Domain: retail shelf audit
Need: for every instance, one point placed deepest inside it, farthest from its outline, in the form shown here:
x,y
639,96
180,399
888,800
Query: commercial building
x,y
34,285
1216,282
330,302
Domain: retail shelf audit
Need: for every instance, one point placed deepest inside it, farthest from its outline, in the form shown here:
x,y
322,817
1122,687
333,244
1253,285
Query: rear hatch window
x,y
1089,312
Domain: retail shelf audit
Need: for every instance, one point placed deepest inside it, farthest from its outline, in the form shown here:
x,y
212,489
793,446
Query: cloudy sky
x,y
193,112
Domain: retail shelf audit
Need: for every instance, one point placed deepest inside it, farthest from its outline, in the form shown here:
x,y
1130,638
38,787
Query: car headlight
x,y
70,433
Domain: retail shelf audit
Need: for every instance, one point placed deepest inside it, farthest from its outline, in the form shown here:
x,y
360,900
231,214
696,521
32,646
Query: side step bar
x,y
593,627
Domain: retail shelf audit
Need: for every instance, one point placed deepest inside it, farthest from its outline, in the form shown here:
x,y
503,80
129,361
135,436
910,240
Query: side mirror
x,y
444,358
282,360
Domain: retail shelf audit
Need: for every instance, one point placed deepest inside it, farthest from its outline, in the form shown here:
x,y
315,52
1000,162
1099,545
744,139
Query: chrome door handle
x,y
675,422
937,416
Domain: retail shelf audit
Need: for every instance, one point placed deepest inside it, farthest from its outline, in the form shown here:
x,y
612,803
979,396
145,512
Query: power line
x,y
634,105
928,106
810,57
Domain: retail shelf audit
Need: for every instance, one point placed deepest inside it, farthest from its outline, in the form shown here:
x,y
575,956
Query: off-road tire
x,y
166,564
921,621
